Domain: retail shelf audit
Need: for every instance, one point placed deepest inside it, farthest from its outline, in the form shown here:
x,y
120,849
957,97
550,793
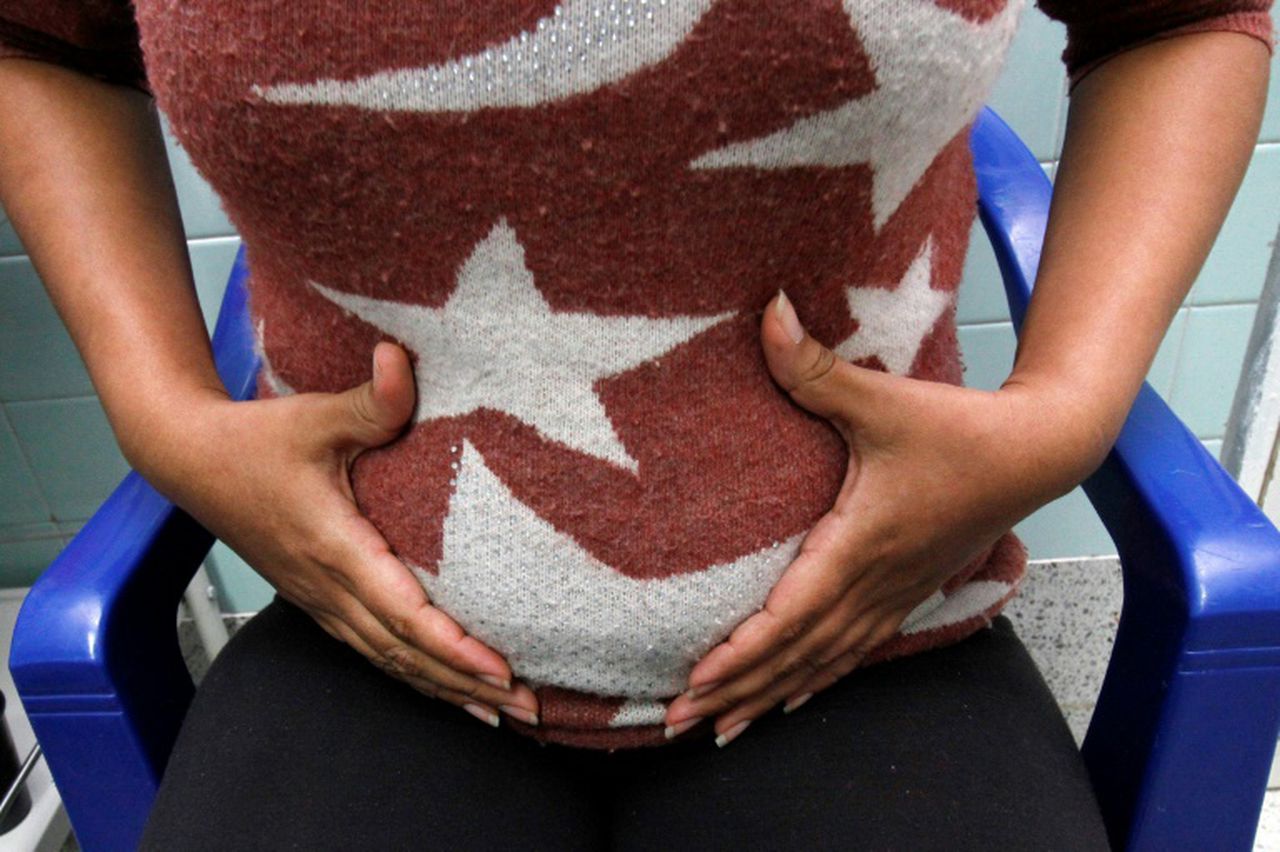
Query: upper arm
x,y
1100,29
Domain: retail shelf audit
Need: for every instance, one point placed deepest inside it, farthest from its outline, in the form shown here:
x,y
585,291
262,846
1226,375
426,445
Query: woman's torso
x,y
571,215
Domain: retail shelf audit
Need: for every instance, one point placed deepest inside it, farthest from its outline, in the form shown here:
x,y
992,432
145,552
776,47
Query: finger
x,y
812,584
815,377
837,668
363,564
390,590
764,685
796,662
402,661
474,705
857,619
372,413
858,642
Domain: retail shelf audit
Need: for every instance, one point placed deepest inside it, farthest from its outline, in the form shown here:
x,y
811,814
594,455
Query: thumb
x,y
815,377
373,413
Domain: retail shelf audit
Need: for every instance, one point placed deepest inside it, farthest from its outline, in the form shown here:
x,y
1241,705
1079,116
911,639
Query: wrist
x,y
158,435
1065,429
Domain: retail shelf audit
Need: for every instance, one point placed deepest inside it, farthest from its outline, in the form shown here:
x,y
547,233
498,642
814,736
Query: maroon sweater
x,y
571,215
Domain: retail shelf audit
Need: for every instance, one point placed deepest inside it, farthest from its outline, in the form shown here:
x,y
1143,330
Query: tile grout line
x,y
1177,355
79,397
26,460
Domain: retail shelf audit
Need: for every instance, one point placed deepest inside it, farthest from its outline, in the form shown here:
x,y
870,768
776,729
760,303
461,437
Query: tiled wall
x,y
58,459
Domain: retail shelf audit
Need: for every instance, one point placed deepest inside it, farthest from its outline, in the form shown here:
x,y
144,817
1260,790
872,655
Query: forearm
x,y
1157,141
85,180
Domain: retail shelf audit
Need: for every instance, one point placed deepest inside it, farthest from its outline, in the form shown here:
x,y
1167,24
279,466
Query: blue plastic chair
x,y
1180,742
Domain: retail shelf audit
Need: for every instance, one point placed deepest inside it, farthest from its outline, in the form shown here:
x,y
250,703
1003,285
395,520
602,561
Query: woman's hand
x,y
936,474
271,479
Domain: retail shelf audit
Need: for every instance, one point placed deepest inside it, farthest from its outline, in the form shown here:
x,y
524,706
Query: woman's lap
x,y
296,741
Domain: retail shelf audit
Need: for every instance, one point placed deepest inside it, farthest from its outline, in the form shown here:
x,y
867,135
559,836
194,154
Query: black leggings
x,y
295,741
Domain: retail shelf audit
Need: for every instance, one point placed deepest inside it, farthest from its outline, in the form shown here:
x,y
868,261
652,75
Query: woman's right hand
x,y
271,479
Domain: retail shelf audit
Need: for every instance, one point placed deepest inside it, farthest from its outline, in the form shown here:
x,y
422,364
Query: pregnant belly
x,y
603,581
563,616
599,519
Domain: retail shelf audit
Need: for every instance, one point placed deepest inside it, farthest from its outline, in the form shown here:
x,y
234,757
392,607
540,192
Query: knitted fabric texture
x,y
571,215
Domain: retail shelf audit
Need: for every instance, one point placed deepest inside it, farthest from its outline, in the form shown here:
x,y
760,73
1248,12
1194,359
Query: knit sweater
x,y
571,215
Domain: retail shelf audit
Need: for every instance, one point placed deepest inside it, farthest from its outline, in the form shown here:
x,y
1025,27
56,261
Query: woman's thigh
x,y
294,740
956,748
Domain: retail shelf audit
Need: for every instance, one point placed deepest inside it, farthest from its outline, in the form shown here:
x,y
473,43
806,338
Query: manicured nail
x,y
526,716
701,689
494,680
790,322
482,714
679,728
727,737
796,702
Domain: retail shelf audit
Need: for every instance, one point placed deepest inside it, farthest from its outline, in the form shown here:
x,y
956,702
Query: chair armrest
x,y
1183,734
95,653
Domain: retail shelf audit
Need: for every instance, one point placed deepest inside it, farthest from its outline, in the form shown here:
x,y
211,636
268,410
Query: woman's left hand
x,y
937,472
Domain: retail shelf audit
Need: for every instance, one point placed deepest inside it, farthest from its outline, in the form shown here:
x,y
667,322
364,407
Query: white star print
x,y
581,46
893,323
497,344
561,616
933,71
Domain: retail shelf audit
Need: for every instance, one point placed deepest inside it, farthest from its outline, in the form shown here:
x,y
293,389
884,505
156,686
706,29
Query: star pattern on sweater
x,y
914,111
542,65
497,344
559,615
893,323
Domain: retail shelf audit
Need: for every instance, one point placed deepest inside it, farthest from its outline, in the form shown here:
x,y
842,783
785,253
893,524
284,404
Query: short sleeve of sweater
x,y
1099,29
94,37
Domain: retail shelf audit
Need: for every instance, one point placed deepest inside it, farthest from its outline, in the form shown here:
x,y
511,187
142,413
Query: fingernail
x,y
482,714
790,322
701,689
727,737
679,728
526,716
375,362
796,702
494,680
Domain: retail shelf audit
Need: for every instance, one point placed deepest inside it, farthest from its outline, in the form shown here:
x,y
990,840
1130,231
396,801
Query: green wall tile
x,y
1209,364
72,451
1064,529
1237,263
211,262
1164,367
240,588
20,499
987,351
1030,89
38,359
22,560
